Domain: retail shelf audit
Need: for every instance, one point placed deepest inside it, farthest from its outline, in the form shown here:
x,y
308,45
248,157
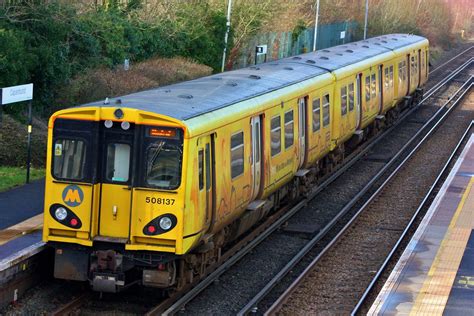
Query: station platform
x,y
21,222
435,274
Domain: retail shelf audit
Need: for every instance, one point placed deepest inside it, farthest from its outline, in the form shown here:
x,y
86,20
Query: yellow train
x,y
149,187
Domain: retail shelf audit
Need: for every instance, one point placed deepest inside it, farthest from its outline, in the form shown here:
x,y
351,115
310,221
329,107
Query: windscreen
x,y
164,154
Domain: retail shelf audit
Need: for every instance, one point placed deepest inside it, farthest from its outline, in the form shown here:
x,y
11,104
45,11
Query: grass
x,y
11,177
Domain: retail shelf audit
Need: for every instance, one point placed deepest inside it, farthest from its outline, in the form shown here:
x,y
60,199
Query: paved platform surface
x,y
21,221
435,274
21,203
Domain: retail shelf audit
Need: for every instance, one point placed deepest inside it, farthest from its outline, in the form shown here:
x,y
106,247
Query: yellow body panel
x,y
206,210
114,216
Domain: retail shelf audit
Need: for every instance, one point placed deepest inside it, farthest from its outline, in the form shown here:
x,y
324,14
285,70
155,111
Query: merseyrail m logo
x,y
73,195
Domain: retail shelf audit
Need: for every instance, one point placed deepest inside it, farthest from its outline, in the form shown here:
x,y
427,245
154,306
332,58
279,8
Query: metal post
x,y
226,37
366,18
28,155
316,26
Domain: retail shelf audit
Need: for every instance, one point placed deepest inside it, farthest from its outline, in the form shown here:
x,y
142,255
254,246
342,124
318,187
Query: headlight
x,y
165,223
60,213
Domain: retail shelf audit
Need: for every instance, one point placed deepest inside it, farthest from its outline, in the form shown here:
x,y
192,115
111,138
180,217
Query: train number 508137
x,y
154,200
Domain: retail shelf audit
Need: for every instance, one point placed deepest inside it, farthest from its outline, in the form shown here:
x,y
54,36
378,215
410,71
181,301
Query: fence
x,y
281,45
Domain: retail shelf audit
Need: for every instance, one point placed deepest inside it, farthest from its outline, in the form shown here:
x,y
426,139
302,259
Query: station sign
x,y
16,94
261,50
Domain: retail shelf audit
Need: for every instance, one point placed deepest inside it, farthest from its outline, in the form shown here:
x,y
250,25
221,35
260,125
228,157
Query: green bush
x,y
49,44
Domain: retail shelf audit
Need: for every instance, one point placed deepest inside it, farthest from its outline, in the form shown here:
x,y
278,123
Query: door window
x,y
118,162
275,135
289,129
316,115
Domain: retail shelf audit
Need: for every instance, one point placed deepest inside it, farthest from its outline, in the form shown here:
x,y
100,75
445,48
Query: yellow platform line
x,y
32,224
433,297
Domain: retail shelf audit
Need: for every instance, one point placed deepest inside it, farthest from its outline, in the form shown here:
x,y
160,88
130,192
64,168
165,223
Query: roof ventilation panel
x,y
296,58
185,96
255,77
326,50
310,61
349,51
288,68
365,46
232,84
324,57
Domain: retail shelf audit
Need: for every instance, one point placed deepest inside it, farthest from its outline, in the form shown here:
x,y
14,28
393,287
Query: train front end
x,y
114,197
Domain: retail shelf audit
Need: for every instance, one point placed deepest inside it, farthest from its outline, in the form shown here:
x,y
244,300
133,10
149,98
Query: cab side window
x,y
201,167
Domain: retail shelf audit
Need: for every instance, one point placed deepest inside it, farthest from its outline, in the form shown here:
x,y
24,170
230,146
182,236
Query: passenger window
x,y
289,126
237,154
351,97
326,113
387,79
276,135
374,86
400,73
343,101
257,142
391,76
118,162
69,159
208,168
201,171
367,88
316,115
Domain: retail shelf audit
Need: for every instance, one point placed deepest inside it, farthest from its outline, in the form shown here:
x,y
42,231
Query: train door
x,y
419,67
206,179
408,70
380,94
302,102
359,101
256,126
116,187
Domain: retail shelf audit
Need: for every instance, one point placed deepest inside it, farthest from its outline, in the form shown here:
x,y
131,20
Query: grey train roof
x,y
189,99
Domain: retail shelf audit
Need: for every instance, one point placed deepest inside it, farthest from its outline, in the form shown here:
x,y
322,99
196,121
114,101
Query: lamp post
x,y
226,37
366,18
316,26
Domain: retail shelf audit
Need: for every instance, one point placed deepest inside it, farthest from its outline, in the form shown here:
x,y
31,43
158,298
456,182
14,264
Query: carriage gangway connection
x,y
21,248
435,273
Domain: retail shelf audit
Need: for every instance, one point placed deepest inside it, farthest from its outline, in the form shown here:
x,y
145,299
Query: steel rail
x,y
422,205
270,285
284,297
69,307
351,160
450,60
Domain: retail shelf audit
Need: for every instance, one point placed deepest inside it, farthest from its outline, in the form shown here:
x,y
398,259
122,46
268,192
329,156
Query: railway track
x,y
376,204
181,303
238,251
366,299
